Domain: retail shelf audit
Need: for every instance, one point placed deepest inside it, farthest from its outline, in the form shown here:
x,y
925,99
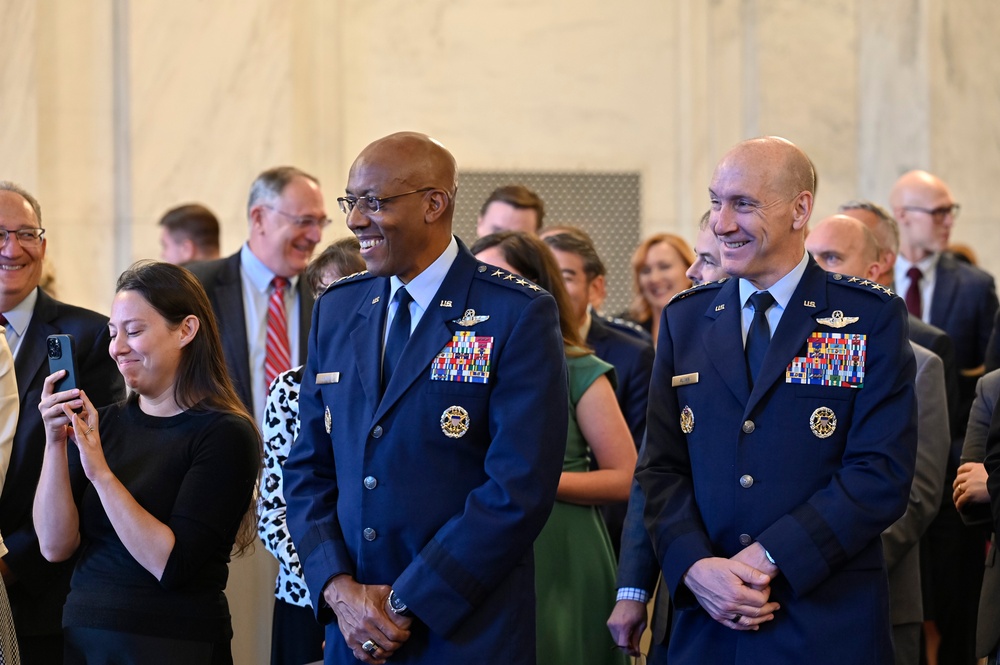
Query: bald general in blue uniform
x,y
766,496
418,485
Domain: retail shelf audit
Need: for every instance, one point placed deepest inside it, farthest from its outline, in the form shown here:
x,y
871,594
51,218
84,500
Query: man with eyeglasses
x,y
961,300
433,426
37,588
264,307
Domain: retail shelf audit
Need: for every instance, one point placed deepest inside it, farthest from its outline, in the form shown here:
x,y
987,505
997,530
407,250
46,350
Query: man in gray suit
x,y
845,245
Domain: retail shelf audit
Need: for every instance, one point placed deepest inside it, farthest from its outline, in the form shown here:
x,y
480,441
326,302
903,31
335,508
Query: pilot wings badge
x,y
838,320
470,318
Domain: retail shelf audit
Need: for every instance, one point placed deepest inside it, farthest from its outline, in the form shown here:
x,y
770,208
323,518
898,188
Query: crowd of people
x,y
787,443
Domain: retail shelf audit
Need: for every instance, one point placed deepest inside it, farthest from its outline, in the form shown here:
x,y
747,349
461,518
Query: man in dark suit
x,y
771,472
584,274
37,588
845,245
961,300
638,570
433,415
972,500
286,215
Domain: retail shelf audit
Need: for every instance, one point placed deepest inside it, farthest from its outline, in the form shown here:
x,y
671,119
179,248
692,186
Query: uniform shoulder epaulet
x,y
699,288
353,277
509,279
860,283
630,327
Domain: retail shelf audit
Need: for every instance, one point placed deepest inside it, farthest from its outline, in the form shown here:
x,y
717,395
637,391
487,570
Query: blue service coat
x,y
380,492
752,469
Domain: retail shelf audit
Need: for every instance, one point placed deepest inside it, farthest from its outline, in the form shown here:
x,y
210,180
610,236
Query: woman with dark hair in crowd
x,y
154,491
296,637
659,265
574,560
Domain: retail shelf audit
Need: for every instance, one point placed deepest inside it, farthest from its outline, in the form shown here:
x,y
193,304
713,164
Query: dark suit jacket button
x,y
745,539
748,427
369,534
370,482
377,432
746,481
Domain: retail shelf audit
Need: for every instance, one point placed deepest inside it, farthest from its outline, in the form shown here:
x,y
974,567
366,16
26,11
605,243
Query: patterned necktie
x,y
399,334
913,305
759,335
277,357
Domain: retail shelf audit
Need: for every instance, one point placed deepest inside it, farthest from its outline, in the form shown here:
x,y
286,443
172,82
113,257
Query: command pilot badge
x,y
455,422
823,422
687,420
470,318
838,320
327,420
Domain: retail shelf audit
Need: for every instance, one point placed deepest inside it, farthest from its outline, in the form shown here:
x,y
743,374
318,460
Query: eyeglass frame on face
x,y
33,236
304,221
938,214
374,203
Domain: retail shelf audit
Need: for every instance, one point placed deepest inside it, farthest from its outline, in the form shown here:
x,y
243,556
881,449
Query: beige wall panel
x,y
965,112
19,93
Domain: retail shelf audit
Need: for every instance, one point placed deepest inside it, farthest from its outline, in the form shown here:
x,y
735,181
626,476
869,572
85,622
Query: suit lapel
x,y
945,292
306,302
367,339
432,332
228,296
797,322
32,357
727,356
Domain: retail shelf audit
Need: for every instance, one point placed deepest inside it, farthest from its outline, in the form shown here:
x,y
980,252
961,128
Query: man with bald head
x,y
433,427
845,245
780,438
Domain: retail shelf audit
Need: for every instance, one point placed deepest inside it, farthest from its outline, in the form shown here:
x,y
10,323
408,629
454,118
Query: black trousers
x,y
95,646
296,638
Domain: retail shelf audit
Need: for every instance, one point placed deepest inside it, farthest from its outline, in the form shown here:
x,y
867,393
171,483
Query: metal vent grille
x,y
605,205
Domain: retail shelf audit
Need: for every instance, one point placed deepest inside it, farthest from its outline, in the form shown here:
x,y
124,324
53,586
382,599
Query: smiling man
x,y
38,589
433,427
780,438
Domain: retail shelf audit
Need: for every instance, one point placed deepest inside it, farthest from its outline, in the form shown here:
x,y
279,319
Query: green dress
x,y
574,561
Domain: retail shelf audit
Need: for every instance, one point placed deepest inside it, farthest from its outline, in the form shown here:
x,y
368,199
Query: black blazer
x,y
223,284
38,595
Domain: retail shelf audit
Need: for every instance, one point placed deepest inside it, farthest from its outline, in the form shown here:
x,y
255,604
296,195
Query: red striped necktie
x,y
277,358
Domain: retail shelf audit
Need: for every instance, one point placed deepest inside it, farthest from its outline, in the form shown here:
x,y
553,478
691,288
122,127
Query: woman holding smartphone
x,y
152,492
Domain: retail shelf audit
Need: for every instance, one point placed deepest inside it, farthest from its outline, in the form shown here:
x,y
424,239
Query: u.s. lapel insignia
x,y
470,318
327,420
823,422
838,320
455,422
376,299
687,420
444,303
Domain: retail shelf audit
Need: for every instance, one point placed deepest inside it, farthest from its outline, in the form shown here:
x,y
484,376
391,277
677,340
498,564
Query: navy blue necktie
x,y
399,334
759,335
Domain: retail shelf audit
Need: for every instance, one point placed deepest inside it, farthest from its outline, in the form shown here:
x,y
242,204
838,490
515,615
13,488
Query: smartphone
x,y
62,355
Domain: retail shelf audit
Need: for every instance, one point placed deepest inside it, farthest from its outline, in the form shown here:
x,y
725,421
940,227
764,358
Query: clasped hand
x,y
363,615
735,592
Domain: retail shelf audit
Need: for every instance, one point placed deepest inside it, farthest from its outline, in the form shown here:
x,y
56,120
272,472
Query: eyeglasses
x,y
372,204
25,237
937,213
305,221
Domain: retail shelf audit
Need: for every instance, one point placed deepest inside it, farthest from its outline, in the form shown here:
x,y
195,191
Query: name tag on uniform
x,y
684,379
327,377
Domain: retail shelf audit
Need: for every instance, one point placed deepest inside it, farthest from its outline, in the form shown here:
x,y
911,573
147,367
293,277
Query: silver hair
x,y
7,186
271,183
887,226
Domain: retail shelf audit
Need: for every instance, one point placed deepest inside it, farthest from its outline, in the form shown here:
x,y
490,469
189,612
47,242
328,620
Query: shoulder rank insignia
x,y
838,320
470,318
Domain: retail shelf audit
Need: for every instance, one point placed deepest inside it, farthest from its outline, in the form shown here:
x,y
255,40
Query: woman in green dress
x,y
574,560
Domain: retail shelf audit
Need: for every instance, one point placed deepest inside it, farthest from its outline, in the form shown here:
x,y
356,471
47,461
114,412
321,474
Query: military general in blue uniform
x,y
781,436
434,415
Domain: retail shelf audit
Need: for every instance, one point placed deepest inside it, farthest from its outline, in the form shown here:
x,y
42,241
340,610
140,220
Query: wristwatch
x,y
397,605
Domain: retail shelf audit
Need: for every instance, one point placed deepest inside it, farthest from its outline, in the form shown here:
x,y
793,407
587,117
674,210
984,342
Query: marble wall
x,y
112,111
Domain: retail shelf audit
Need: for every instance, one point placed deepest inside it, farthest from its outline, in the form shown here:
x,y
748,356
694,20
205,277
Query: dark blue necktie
x,y
759,335
399,334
